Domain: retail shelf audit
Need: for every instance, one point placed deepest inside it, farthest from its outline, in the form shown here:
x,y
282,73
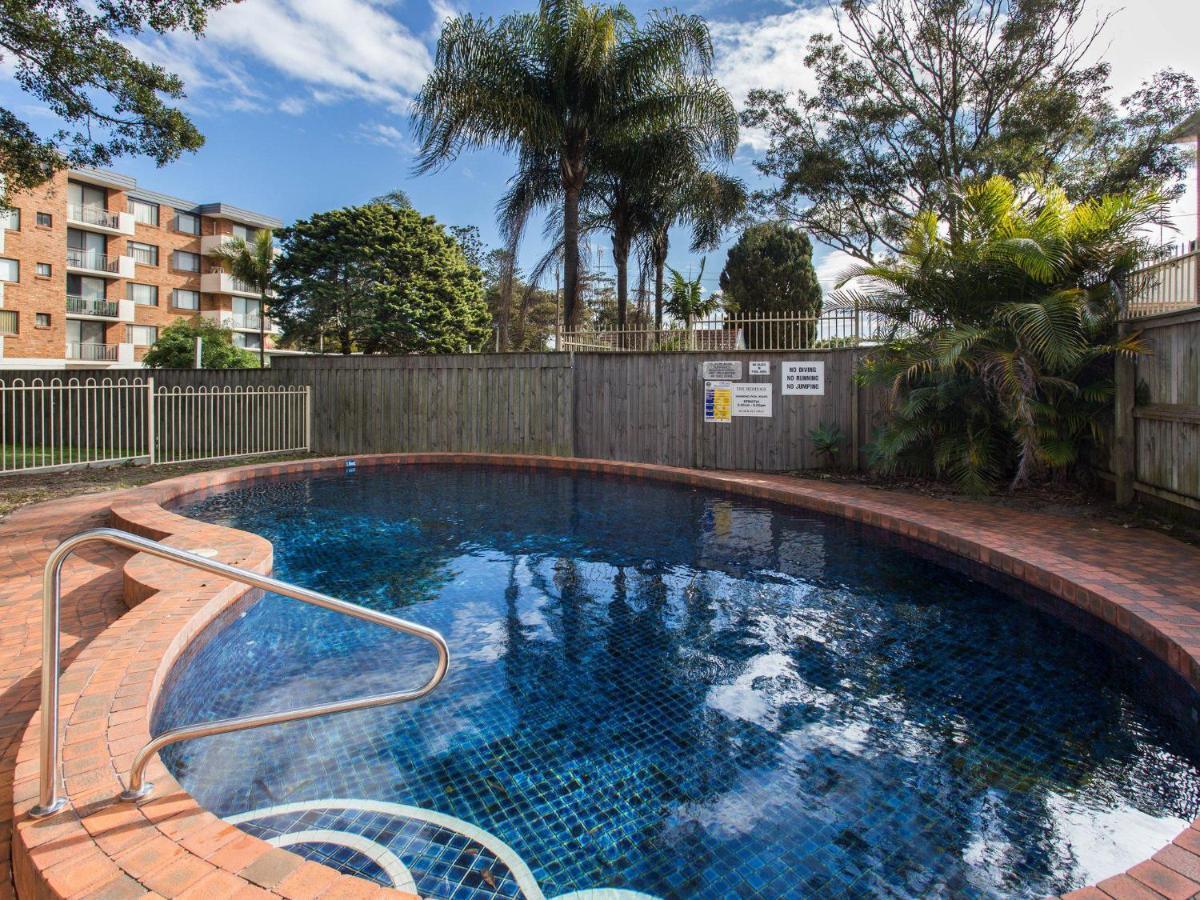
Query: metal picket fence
x,y
51,424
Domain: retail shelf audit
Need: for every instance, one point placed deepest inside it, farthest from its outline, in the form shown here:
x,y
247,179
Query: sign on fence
x,y
803,378
722,370
718,401
760,367
752,399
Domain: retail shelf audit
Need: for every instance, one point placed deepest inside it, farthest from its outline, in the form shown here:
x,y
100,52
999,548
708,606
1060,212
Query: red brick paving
x,y
126,621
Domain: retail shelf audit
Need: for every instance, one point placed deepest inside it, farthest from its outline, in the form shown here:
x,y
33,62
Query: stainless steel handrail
x,y
49,801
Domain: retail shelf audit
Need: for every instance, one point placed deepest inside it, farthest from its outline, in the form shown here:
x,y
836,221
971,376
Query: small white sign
x,y
750,399
760,367
722,370
803,378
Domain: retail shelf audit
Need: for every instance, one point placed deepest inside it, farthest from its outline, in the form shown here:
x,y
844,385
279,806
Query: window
x,y
144,294
83,332
246,340
42,320
245,232
182,299
43,269
186,223
187,262
141,335
143,254
8,321
86,287
10,270
45,219
10,219
146,213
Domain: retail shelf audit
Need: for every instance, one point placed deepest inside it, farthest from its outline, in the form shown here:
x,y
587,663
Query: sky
x,y
304,103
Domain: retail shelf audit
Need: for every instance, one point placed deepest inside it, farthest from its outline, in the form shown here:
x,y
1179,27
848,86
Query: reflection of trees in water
x,y
898,686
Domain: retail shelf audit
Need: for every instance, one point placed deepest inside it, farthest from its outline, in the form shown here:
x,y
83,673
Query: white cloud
x,y
767,53
386,135
1142,38
339,49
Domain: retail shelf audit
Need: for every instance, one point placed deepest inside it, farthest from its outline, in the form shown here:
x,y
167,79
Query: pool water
x,y
662,690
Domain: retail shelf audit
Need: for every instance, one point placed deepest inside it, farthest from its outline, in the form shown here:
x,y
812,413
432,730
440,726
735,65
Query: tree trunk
x,y
660,265
572,173
262,330
621,260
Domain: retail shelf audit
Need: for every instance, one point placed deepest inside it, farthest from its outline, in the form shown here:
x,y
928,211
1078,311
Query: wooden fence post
x,y
1124,453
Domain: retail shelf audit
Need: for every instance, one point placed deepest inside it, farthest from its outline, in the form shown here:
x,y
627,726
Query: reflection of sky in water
x,y
665,690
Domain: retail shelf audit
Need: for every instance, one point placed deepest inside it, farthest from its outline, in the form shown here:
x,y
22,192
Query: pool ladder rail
x,y
49,800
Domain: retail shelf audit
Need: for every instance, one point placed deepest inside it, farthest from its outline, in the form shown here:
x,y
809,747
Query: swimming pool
x,y
662,690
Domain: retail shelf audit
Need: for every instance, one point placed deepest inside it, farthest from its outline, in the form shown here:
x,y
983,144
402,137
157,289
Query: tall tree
x,y
705,199
915,98
378,279
254,263
549,85
73,57
770,271
686,300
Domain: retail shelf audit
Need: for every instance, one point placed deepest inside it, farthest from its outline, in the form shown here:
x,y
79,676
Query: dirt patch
x,y
18,490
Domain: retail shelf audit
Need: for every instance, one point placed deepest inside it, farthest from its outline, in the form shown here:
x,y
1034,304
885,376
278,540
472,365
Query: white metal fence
x,y
1166,286
834,327
219,423
58,424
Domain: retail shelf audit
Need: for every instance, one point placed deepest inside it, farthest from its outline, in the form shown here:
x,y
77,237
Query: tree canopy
x,y
176,347
74,57
551,85
377,278
916,98
770,269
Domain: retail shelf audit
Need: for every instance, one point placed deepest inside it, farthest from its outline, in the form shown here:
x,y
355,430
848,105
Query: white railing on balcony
x,y
834,327
91,306
94,215
1166,286
90,259
88,352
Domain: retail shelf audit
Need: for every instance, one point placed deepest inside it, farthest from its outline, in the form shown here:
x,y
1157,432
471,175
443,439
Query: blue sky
x,y
304,102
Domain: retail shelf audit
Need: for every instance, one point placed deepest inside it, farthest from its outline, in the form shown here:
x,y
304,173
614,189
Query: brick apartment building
x,y
93,267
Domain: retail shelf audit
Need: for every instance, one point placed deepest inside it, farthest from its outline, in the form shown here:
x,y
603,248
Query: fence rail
x,y
834,327
199,423
55,424
48,424
1167,286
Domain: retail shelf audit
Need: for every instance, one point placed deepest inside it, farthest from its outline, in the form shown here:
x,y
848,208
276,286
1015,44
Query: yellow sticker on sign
x,y
718,401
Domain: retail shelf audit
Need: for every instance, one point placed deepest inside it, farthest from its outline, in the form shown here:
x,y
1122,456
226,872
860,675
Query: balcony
x,y
211,243
219,282
87,352
89,262
235,321
99,308
95,218
95,307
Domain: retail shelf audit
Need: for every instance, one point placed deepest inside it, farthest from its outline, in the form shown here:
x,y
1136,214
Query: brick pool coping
x,y
1143,584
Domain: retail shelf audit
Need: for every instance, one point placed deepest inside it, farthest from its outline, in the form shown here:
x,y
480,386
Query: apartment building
x,y
93,267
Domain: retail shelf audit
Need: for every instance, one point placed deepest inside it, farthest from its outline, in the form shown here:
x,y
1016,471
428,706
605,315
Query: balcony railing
x,y
92,352
94,215
90,259
1165,286
91,306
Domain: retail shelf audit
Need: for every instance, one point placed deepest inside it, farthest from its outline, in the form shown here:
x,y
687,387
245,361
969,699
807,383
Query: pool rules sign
x,y
803,378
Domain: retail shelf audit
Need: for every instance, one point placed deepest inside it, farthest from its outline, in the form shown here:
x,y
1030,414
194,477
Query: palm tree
x,y
704,198
1001,358
687,300
253,263
550,85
